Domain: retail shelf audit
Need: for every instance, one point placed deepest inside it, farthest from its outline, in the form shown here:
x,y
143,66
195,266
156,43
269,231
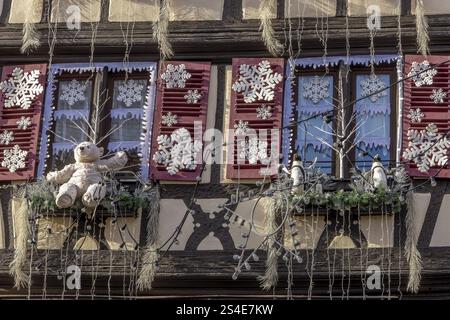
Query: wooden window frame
x,y
350,87
382,69
105,98
334,72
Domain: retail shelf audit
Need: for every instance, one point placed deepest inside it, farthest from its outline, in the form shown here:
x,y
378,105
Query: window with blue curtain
x,y
373,120
314,136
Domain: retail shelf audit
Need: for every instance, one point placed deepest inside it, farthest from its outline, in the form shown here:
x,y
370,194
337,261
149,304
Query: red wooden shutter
x,y
419,97
173,100
27,139
247,112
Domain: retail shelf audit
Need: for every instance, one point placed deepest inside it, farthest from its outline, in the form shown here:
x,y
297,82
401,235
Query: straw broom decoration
x,y
268,33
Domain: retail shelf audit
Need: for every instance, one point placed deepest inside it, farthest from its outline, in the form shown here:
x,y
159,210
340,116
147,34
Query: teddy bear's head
x,y
87,152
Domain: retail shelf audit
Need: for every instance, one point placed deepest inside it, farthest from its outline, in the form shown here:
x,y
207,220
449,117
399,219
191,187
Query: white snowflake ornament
x,y
438,96
371,87
169,119
175,76
427,148
241,127
21,88
177,152
421,77
254,150
264,112
257,82
73,92
14,159
6,137
192,96
316,89
23,123
130,92
415,115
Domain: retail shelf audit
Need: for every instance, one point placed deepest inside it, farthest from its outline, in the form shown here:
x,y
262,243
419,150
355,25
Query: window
x,y
21,8
433,6
306,8
133,11
103,104
314,136
90,10
360,7
250,9
373,119
354,134
194,10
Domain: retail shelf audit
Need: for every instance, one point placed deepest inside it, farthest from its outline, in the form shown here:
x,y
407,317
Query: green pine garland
x,y
347,200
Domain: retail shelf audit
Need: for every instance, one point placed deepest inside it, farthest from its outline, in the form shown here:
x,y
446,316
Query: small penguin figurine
x,y
297,175
379,179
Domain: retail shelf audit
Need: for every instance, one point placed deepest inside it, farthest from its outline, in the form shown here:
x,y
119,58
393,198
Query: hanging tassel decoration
x,y
161,31
150,258
21,233
30,36
422,29
266,8
270,278
412,254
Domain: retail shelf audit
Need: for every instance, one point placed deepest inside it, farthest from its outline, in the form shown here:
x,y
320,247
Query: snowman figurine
x,y
378,174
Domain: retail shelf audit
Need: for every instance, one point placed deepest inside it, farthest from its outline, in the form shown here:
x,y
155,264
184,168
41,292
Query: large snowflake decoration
x,y
14,158
257,82
421,77
241,127
192,96
21,88
254,150
6,137
427,148
169,119
438,96
372,86
175,76
130,92
73,92
316,89
23,123
264,112
415,115
177,152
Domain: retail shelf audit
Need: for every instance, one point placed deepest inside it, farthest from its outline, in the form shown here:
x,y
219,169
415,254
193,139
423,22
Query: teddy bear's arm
x,y
116,162
63,175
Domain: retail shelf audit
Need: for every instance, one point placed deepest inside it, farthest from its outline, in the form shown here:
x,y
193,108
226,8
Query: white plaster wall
x,y
441,233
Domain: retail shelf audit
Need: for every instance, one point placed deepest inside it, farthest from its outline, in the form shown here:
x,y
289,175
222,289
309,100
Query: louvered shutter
x,y
27,139
173,100
247,112
420,98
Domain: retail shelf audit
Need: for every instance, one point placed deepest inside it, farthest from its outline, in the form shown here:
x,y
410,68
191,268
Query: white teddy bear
x,y
83,179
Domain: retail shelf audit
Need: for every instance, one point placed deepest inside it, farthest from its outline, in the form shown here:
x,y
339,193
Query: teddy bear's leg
x,y
94,194
67,195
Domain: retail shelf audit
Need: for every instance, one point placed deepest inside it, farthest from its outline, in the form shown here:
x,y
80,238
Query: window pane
x,y
360,7
20,8
196,10
127,109
250,9
73,105
308,8
373,121
90,10
135,10
314,134
129,94
433,7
